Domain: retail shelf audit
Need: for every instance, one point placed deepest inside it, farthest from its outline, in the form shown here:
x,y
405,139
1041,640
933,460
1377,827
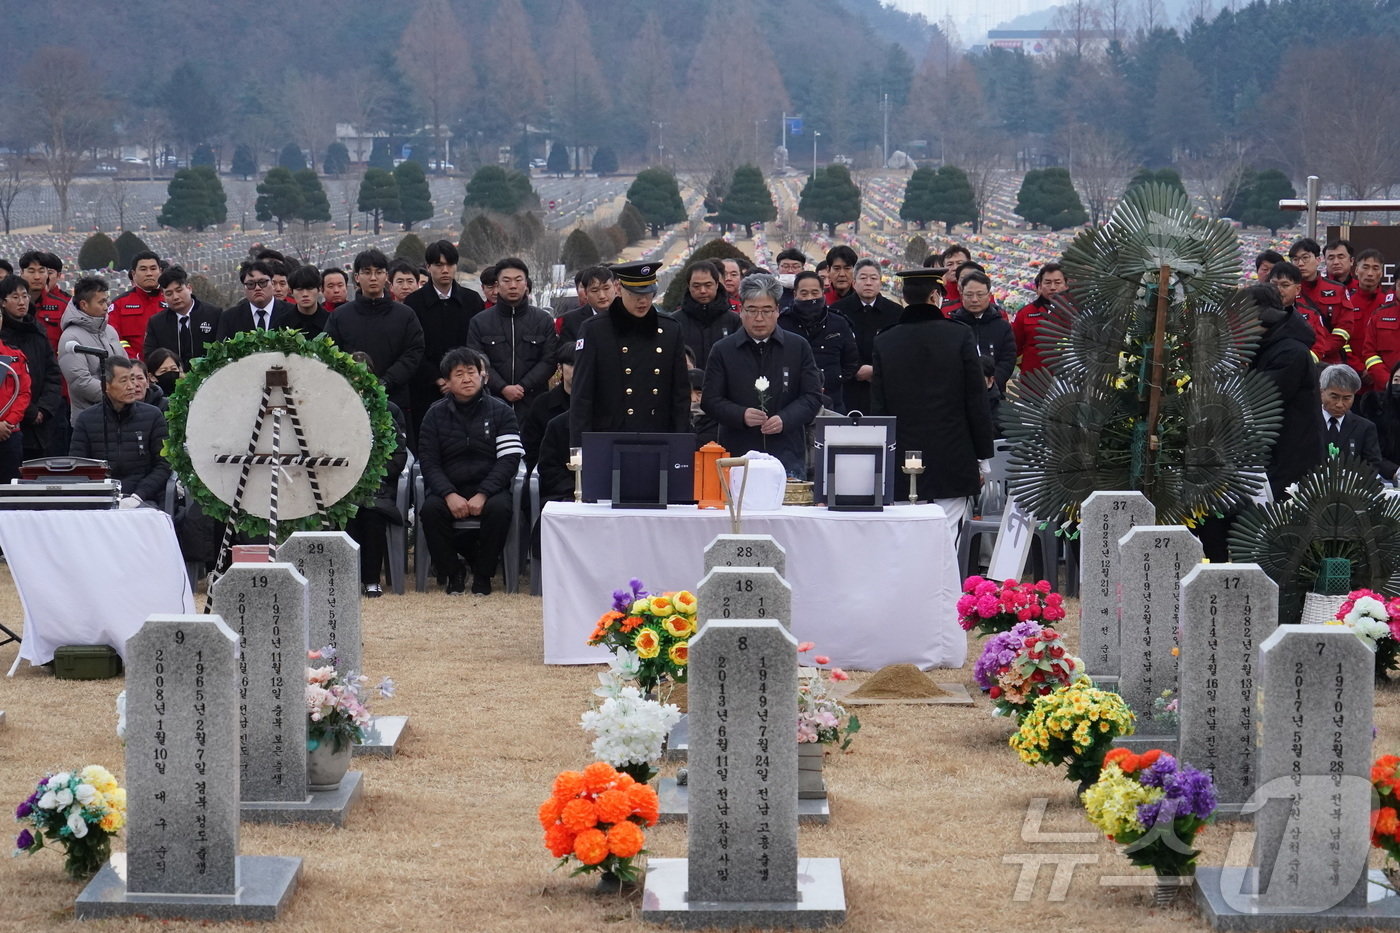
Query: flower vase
x,y
810,759
641,773
1168,888
326,765
612,883
86,857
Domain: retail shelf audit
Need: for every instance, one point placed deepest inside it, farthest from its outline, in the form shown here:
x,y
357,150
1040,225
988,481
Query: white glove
x,y
130,502
984,467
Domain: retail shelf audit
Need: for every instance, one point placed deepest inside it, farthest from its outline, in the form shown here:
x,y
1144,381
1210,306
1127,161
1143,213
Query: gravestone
x,y
330,562
1105,518
1227,611
1313,804
746,551
745,593
265,604
1154,559
743,868
182,776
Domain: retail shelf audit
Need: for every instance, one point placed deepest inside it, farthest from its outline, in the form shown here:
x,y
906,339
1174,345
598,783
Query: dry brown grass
x,y
924,809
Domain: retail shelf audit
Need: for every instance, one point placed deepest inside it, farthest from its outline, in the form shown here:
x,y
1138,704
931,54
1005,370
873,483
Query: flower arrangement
x,y
1073,725
819,716
80,810
631,730
991,607
595,816
656,629
1375,619
1166,709
336,703
1020,666
1385,818
1154,806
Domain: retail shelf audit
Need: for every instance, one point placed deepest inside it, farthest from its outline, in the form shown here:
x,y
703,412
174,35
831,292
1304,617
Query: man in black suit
x,y
1350,434
186,325
444,308
260,310
869,313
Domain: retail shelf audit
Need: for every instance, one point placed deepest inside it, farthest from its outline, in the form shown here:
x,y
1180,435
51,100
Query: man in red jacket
x,y
47,304
1340,258
953,257
131,312
1367,298
1049,282
1327,297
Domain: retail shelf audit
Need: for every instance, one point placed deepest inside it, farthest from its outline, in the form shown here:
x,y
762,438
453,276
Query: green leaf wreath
x,y
371,392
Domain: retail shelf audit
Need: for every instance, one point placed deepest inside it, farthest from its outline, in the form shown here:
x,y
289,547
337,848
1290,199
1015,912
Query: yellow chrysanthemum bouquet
x,y
1074,726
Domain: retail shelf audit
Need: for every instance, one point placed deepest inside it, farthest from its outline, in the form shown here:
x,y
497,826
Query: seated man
x,y
127,433
1349,433
469,447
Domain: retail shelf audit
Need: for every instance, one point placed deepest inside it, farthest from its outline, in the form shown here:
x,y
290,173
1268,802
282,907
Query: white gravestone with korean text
x,y
1105,517
1153,558
330,562
745,593
746,551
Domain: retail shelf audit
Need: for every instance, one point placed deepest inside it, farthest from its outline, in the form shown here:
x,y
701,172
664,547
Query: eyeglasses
x,y
769,313
257,283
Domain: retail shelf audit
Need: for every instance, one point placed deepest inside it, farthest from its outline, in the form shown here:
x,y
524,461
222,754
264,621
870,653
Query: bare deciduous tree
x,y
435,57
15,177
65,96
1100,163
1216,175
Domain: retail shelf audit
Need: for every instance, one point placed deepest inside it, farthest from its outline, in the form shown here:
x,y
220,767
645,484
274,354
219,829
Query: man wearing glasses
x,y
258,310
761,382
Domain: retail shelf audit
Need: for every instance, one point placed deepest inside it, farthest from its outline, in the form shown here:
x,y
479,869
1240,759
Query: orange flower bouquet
x,y
649,634
1385,818
595,817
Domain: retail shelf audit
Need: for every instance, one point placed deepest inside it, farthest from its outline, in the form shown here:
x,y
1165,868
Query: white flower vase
x,y
326,767
810,758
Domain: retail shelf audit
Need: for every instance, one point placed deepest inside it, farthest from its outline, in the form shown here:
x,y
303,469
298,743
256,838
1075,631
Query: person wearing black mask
x,y
832,339
705,316
165,369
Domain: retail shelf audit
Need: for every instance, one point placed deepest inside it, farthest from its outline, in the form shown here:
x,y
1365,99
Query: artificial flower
x,y
647,643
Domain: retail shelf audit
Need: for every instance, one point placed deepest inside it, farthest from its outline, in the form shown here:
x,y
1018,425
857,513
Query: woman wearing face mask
x,y
164,369
832,339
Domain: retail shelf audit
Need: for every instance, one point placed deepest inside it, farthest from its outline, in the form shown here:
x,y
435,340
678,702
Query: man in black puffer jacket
x,y
127,433
388,331
469,448
704,314
516,338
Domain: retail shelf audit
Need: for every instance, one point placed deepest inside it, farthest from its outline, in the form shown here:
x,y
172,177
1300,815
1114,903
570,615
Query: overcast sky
x,y
973,17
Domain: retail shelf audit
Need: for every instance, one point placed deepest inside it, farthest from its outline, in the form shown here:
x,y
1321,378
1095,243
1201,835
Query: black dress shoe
x,y
457,583
481,586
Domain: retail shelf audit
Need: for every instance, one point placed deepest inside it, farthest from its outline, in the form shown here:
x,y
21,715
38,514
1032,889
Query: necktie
x,y
262,319
186,340
1334,432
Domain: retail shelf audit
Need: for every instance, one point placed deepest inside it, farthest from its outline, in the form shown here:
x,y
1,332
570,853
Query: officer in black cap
x,y
928,375
629,364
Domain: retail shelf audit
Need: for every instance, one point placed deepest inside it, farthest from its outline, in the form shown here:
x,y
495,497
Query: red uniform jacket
x,y
1363,355
15,360
129,315
1025,328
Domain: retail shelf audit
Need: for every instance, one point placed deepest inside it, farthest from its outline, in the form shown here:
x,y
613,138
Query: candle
x,y
575,459
913,463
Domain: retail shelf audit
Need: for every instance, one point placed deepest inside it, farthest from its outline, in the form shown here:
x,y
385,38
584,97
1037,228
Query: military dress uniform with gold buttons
x,y
629,371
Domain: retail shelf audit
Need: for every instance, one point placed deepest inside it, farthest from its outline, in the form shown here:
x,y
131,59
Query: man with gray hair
x,y
1344,432
761,383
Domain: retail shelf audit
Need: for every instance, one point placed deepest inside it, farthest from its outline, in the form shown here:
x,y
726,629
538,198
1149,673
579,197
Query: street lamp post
x,y
815,134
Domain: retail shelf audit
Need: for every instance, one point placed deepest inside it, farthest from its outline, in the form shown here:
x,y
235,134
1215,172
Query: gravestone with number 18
x,y
745,593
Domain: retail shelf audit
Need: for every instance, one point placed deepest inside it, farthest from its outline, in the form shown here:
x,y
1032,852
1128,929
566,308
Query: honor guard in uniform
x,y
928,375
629,364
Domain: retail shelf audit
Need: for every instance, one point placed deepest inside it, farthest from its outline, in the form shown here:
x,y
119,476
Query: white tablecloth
x,y
91,577
870,588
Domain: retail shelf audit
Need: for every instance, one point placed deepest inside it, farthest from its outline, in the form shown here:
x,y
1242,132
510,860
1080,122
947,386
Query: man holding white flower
x,y
761,383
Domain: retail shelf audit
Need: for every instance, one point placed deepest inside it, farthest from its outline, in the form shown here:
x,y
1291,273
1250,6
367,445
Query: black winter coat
x,y
794,394
163,330
536,420
519,343
45,381
629,375
928,375
703,326
444,323
556,479
834,348
389,332
469,447
865,325
130,441
992,332
1285,358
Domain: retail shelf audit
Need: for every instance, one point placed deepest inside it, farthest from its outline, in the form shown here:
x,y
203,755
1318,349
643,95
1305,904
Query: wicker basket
x,y
1318,609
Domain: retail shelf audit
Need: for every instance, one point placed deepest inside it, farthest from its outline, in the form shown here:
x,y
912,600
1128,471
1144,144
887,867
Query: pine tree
x,y
950,198
657,197
916,206
494,188
1047,198
631,222
292,158
830,198
412,249
244,163
379,193
415,198
98,252
203,155
1256,202
193,202
558,162
748,200
1164,176
315,206
579,251
336,160
128,245
279,197
717,248
483,242
604,161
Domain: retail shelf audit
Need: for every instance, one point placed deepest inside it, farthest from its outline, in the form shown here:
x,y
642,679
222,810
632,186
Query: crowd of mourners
x,y
480,379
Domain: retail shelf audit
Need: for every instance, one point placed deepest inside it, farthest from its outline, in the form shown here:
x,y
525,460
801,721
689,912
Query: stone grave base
x,y
1382,912
1137,744
266,883
324,806
677,742
382,737
821,899
675,804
